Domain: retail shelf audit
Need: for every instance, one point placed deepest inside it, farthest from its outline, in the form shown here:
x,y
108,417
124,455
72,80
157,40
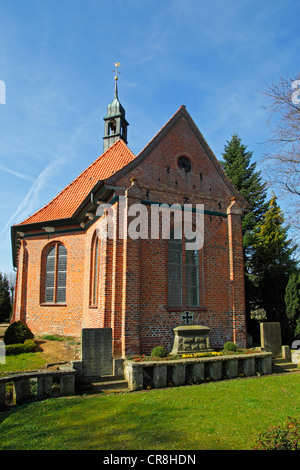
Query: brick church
x,y
69,278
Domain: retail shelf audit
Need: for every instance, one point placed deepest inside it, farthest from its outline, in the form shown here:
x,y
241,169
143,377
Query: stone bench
x,y
45,380
160,374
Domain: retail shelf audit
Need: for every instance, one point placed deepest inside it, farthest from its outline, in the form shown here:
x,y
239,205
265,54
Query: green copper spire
x,y
115,122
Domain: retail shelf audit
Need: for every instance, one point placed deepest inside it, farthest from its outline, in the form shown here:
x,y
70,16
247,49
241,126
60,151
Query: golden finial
x,y
117,64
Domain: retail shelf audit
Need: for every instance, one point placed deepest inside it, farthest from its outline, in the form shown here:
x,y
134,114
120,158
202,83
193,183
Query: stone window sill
x,y
184,309
53,304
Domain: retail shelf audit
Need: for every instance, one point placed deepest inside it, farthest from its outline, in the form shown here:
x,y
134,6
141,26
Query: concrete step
x,y
102,384
282,365
101,378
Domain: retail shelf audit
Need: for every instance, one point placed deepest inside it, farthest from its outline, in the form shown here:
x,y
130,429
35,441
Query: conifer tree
x,y
5,300
244,176
271,264
292,301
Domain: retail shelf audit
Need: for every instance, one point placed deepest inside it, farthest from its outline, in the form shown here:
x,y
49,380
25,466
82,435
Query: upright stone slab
x,y
270,338
249,366
195,373
21,390
96,351
230,368
2,394
44,386
134,375
215,370
178,374
265,365
67,385
160,376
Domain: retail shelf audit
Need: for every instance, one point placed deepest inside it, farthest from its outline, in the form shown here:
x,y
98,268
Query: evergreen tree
x,y
244,176
5,300
292,301
271,264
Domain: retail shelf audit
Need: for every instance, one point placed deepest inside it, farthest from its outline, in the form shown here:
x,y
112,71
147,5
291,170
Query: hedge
x,y
28,346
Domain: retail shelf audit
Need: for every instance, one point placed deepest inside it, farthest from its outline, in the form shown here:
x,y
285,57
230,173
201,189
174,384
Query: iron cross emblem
x,y
187,318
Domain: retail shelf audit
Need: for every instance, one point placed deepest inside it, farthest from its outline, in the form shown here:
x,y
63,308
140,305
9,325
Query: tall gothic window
x,y
183,275
94,272
56,274
192,278
175,272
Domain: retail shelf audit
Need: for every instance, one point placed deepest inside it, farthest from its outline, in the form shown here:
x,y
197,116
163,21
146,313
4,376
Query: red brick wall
x,y
63,319
132,291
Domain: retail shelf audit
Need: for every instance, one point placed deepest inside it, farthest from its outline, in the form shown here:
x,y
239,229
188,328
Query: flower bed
x,y
143,374
172,357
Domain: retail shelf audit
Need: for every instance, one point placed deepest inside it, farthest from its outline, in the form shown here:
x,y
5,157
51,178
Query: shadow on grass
x,y
38,343
90,423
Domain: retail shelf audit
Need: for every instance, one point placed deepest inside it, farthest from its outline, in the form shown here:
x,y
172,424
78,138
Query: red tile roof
x,y
68,200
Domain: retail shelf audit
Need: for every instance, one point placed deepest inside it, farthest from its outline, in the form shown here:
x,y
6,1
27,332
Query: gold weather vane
x,y
117,64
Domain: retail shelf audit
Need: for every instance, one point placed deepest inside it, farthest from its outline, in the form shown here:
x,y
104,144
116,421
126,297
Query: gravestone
x,y
191,339
96,352
270,338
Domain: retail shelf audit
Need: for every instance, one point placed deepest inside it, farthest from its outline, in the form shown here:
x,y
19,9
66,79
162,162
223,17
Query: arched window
x,y
183,275
94,272
56,274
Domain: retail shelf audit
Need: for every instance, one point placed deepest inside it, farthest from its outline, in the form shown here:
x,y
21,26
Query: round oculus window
x,y
184,164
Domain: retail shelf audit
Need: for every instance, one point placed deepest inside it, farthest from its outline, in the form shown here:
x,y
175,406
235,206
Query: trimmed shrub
x,y
285,437
158,351
17,333
229,346
20,348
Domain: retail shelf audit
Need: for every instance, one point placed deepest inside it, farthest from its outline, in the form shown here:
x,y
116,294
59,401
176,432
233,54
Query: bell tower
x,y
115,124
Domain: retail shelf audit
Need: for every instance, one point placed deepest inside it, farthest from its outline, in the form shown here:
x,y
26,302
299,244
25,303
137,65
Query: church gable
x,y
178,161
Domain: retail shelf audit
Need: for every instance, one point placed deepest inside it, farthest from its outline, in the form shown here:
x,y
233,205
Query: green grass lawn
x,y
217,415
21,362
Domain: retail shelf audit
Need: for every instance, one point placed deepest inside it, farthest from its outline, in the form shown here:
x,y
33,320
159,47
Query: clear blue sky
x,y
57,59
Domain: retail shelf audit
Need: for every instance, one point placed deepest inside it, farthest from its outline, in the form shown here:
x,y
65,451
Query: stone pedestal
x,y
191,339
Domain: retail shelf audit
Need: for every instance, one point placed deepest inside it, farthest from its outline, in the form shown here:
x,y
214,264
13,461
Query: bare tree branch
x,y
283,162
